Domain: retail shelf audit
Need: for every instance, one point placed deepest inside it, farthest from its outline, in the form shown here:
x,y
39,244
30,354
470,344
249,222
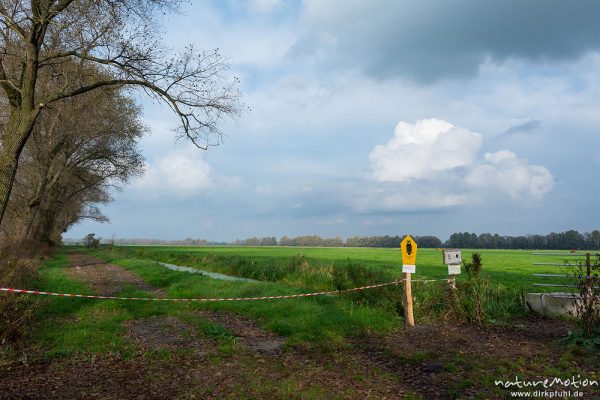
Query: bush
x,y
587,301
355,275
90,241
16,309
477,300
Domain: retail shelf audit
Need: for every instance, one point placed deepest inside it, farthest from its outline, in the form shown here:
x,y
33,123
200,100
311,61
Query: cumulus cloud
x,y
433,164
515,177
422,150
180,173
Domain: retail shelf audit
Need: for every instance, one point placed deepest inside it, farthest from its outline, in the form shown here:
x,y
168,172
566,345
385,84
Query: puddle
x,y
213,275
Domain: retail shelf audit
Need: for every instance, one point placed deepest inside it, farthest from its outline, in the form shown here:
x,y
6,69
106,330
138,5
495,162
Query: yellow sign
x,y
408,247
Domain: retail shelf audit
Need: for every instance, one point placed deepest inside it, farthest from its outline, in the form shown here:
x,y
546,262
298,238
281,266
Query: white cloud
x,y
433,164
422,150
515,177
179,172
263,6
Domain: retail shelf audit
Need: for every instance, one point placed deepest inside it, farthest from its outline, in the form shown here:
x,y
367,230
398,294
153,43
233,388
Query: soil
x,y
106,279
287,376
167,333
248,333
433,361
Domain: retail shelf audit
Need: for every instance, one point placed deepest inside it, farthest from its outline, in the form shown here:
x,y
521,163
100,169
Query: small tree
x,y
90,241
587,300
475,288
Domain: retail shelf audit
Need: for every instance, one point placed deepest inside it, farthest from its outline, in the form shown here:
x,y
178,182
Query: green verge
x,y
512,269
323,320
506,274
82,327
72,327
69,326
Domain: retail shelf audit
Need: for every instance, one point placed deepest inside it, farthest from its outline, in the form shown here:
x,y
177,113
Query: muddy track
x,y
247,332
106,279
167,333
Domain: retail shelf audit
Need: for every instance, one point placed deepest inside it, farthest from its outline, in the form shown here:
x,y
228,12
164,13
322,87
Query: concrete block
x,y
551,304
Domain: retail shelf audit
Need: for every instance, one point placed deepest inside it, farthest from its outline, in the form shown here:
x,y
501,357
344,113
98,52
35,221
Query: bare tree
x,y
69,41
70,163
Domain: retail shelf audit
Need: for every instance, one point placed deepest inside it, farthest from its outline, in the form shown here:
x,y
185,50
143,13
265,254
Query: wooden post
x,y
408,301
588,276
453,290
452,282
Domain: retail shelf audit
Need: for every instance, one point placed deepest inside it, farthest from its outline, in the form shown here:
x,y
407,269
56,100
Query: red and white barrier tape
x,y
291,296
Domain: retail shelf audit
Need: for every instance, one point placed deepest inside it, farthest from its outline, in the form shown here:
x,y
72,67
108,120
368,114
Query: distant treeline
x,y
154,242
567,240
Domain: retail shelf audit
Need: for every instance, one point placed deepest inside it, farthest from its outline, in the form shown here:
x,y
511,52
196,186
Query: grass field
x,y
509,268
355,341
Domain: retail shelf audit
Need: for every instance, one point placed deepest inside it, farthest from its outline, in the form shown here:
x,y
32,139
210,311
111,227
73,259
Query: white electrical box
x,y
453,269
452,256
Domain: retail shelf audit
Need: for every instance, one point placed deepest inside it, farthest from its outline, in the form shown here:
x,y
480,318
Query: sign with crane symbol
x,y
408,248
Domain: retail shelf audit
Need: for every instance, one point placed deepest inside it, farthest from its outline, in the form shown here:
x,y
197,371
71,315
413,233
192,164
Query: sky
x,y
375,117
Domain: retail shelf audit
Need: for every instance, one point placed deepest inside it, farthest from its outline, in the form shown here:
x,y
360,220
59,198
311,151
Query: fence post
x,y
452,283
408,300
452,258
408,248
588,276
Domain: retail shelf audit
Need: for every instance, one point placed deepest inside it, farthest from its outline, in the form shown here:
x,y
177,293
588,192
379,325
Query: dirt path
x,y
249,334
106,279
168,333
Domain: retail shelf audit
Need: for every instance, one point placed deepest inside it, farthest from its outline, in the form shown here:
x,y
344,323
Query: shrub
x,y
587,303
15,309
90,241
355,275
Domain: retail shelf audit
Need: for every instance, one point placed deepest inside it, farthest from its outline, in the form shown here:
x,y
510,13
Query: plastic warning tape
x,y
291,296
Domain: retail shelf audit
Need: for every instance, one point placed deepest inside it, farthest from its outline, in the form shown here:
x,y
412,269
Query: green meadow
x,y
322,328
505,268
326,321
322,321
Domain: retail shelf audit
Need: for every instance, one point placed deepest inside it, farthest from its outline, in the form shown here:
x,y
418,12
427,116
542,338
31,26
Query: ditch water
x,y
213,275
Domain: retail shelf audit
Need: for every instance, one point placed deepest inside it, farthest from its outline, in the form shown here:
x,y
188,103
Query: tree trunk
x,y
22,118
8,170
12,146
19,128
45,227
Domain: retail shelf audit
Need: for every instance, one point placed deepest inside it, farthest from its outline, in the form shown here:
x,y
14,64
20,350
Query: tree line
x,y
568,240
354,241
69,122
